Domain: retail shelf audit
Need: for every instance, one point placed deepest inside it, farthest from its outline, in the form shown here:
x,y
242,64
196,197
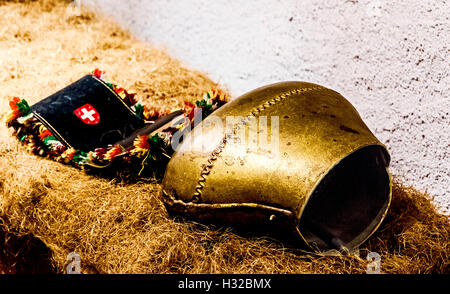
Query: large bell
x,y
321,174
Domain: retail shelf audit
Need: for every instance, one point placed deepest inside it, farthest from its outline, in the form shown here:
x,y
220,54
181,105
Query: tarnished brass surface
x,y
220,179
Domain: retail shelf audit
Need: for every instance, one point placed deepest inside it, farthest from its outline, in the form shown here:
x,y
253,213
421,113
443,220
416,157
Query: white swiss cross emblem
x,y
87,114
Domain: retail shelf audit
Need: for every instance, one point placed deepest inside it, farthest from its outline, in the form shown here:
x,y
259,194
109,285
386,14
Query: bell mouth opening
x,y
349,203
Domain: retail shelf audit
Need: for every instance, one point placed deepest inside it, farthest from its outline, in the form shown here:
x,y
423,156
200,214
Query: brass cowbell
x,y
325,181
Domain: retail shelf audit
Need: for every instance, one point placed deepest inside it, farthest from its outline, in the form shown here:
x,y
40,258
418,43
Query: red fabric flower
x,y
98,73
45,134
13,103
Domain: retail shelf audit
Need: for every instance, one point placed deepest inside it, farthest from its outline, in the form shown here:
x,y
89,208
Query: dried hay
x,y
48,210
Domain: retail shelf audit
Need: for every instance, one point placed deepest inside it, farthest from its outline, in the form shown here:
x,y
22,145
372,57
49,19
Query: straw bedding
x,y
119,225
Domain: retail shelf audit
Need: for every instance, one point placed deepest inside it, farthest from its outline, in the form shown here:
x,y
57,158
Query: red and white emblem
x,y
87,114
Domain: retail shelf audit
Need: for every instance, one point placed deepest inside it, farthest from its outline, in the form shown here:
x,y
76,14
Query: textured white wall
x,y
391,59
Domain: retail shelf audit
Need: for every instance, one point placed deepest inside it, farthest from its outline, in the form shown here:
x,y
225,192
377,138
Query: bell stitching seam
x,y
253,113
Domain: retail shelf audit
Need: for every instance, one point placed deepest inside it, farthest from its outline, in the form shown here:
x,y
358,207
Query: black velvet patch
x,y
87,114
